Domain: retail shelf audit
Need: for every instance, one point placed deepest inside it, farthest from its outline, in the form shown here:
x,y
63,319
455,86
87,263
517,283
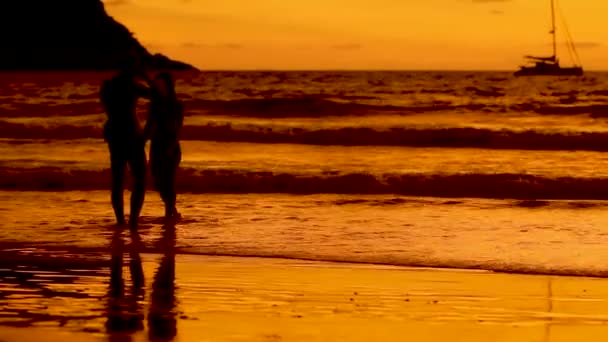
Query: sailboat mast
x,y
553,30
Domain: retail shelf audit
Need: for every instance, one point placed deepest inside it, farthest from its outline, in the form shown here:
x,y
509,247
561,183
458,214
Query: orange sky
x,y
361,34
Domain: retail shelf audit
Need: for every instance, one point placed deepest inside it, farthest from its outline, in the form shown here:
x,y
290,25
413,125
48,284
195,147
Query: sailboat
x,y
550,65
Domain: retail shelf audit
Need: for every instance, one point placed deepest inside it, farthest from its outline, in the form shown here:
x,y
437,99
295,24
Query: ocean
x,y
473,170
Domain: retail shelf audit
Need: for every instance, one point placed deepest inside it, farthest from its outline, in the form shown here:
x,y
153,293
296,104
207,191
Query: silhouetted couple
x,y
126,139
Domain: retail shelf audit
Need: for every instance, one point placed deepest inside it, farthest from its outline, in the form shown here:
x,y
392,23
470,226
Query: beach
x,y
254,299
317,206
79,278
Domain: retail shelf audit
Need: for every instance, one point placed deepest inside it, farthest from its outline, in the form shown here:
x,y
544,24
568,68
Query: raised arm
x,y
142,90
150,127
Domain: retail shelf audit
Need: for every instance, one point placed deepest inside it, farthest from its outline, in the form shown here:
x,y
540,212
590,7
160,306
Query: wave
x,y
313,106
308,106
317,106
50,108
413,137
491,92
414,262
503,185
527,203
594,110
322,105
271,105
12,130
353,136
47,256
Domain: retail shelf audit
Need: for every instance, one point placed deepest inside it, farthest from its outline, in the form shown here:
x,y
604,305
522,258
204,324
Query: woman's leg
x,y
164,161
156,170
167,192
118,166
168,185
158,167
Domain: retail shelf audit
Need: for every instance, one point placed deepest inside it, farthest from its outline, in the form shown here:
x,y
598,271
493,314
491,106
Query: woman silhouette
x,y
162,128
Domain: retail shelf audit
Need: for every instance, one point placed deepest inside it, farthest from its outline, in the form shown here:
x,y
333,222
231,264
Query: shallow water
x,y
471,170
545,237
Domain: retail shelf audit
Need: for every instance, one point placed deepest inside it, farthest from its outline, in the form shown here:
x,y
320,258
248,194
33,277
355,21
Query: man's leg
x,y
162,185
170,196
118,166
138,173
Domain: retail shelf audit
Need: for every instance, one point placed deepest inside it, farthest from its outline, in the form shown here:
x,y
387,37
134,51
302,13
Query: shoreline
x,y
15,253
258,299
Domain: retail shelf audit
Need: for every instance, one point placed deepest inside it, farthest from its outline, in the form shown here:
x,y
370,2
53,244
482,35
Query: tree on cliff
x,y
66,34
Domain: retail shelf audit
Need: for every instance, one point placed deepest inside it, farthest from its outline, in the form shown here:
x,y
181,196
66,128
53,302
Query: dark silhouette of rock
x,y
67,35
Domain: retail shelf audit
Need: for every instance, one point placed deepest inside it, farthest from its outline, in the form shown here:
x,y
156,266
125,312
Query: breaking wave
x,y
502,185
349,136
314,107
54,256
317,106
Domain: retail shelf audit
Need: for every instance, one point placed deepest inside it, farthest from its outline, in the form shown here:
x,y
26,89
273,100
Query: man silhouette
x,y
124,136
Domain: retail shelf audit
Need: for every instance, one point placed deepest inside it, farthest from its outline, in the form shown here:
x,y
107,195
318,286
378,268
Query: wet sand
x,y
123,296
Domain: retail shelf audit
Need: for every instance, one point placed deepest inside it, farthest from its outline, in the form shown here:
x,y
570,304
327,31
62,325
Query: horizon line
x,y
373,70
295,70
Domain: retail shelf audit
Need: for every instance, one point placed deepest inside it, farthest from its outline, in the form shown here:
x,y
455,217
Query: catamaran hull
x,y
532,71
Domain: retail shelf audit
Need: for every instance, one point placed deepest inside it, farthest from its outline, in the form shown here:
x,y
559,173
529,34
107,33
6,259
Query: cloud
x,y
125,2
494,11
230,46
194,45
352,46
489,1
587,45
580,45
115,2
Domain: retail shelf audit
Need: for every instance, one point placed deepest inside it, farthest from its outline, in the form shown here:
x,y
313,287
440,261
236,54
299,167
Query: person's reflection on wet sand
x,y
162,317
125,314
124,310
